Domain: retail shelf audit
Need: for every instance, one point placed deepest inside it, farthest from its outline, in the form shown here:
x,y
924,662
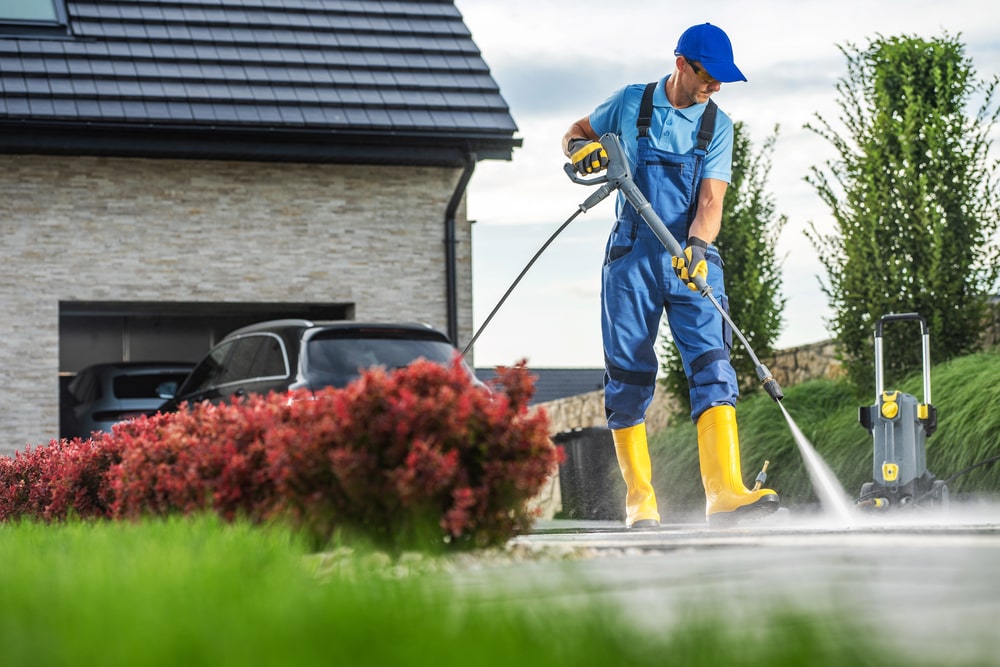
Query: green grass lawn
x,y
190,592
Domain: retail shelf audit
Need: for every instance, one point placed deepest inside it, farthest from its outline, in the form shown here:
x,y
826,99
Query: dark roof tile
x,y
87,109
157,110
17,106
61,87
85,88
247,113
269,113
556,383
134,110
40,107
111,109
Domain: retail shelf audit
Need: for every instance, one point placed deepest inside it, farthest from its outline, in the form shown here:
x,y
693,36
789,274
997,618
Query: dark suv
x,y
105,394
280,355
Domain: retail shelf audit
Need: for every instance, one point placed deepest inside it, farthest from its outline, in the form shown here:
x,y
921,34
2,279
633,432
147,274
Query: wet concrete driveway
x,y
921,585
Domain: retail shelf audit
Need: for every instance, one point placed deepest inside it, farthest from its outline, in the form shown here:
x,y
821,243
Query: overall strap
x,y
707,128
646,110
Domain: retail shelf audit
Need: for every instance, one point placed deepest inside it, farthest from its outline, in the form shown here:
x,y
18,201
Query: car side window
x,y
85,388
271,361
207,373
240,363
256,356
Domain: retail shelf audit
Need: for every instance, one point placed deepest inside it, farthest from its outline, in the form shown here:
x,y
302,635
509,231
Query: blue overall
x,y
639,284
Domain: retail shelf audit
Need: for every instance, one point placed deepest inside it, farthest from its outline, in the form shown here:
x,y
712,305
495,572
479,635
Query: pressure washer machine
x,y
900,426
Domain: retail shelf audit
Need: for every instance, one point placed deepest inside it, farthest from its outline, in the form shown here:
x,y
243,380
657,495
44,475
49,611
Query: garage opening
x,y
95,332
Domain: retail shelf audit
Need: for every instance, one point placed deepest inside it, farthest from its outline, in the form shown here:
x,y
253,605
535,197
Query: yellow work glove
x,y
693,263
588,157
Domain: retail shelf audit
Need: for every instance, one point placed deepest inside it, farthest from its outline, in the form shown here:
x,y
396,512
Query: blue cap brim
x,y
724,72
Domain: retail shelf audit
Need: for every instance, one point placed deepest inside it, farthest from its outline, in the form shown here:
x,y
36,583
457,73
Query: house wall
x,y
117,229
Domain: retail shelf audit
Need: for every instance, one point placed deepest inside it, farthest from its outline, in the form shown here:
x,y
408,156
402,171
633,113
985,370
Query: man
x,y
679,146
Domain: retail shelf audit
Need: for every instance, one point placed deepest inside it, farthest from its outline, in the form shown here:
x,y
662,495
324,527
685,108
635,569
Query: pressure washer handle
x,y
616,172
925,352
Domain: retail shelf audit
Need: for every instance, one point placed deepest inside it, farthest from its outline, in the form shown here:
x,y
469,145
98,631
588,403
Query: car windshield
x,y
145,385
338,358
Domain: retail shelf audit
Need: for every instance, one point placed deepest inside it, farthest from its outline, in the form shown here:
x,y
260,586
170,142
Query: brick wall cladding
x,y
115,229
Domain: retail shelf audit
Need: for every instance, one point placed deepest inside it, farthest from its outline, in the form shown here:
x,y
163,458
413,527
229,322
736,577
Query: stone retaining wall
x,y
790,367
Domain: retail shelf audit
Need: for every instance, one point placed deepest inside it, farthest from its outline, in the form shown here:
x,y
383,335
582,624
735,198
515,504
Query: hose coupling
x,y
875,503
761,477
771,385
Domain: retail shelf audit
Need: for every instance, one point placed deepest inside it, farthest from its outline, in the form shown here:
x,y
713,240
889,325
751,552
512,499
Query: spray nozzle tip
x,y
771,385
773,389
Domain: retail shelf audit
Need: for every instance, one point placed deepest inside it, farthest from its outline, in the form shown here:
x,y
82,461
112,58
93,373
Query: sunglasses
x,y
700,72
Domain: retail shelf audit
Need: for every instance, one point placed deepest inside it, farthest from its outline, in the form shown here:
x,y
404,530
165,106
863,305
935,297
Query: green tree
x,y
913,197
747,242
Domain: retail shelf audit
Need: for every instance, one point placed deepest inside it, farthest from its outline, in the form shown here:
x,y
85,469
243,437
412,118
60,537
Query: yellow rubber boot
x,y
633,460
727,499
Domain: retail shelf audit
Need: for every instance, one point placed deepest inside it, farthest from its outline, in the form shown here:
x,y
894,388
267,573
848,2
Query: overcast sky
x,y
555,60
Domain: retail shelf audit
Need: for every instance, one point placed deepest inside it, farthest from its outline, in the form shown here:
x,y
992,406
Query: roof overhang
x,y
254,144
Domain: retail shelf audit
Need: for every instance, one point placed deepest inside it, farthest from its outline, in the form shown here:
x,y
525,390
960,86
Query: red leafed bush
x,y
396,455
416,457
21,492
203,457
64,478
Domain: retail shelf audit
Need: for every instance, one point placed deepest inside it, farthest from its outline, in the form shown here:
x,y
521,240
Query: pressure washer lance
x,y
617,176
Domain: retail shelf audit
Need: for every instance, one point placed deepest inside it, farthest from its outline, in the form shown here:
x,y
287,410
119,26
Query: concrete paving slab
x,y
922,585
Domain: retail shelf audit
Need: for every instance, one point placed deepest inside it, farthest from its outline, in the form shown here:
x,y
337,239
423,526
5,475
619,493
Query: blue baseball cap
x,y
710,46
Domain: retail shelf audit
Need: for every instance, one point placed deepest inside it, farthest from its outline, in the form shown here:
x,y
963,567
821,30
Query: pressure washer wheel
x,y
873,498
866,490
939,495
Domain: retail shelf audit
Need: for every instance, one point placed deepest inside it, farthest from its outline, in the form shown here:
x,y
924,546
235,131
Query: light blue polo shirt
x,y
674,130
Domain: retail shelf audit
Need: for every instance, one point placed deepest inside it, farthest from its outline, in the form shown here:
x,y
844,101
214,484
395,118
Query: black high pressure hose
x,y
518,279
